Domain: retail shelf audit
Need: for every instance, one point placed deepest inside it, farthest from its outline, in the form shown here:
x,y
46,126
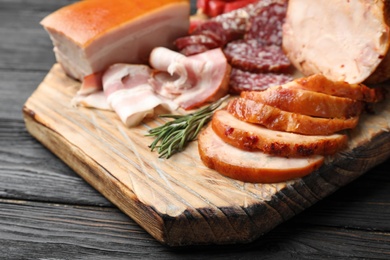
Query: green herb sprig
x,y
173,136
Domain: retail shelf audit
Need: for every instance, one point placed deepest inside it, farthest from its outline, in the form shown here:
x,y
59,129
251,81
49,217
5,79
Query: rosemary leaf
x,y
174,136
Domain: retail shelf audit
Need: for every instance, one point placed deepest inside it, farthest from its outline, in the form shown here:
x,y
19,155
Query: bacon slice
x,y
252,166
276,119
306,102
248,136
129,93
95,99
91,83
192,81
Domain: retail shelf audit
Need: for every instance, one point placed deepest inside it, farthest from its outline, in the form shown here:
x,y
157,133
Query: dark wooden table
x,y
48,212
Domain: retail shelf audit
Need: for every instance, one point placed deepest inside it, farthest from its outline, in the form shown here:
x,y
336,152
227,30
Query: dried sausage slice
x,y
266,25
254,166
246,81
251,55
208,42
229,26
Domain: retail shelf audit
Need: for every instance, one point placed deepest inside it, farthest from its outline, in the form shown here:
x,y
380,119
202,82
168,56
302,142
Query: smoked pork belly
x,y
319,83
127,92
89,36
343,40
253,137
276,119
306,102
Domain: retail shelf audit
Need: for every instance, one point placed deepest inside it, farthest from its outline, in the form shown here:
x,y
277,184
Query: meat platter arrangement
x,y
214,128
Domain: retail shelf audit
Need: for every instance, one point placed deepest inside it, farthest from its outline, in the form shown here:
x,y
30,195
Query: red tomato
x,y
202,5
233,5
213,8
216,7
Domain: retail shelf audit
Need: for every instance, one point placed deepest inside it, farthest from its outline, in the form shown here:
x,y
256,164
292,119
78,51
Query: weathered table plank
x,y
31,230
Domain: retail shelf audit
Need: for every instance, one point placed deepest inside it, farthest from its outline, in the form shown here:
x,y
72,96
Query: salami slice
x,y
266,25
215,31
200,39
244,81
250,55
230,26
194,49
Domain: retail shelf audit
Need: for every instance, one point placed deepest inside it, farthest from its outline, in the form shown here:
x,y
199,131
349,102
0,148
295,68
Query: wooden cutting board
x,y
179,201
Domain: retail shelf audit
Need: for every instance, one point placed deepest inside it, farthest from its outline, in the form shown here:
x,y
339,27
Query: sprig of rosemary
x,y
173,136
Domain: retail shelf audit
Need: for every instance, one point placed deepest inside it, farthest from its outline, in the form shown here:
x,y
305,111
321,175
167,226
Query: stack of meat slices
x,y
283,132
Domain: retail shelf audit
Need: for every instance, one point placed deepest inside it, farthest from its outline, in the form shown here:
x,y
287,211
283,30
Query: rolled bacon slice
x,y
252,166
192,81
251,137
273,118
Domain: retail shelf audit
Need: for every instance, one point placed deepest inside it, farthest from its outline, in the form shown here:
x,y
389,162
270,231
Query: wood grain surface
x,y
179,201
48,212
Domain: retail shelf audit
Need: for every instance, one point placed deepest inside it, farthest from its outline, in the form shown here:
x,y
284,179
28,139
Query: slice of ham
x,y
306,102
273,118
192,81
343,40
129,93
252,166
251,137
320,83
89,36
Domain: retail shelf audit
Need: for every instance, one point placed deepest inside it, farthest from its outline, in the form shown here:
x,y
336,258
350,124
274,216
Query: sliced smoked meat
x,y
306,102
320,83
252,166
276,119
251,137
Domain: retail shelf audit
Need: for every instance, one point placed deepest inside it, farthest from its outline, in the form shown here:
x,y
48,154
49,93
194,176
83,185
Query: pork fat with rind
x,y
89,36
